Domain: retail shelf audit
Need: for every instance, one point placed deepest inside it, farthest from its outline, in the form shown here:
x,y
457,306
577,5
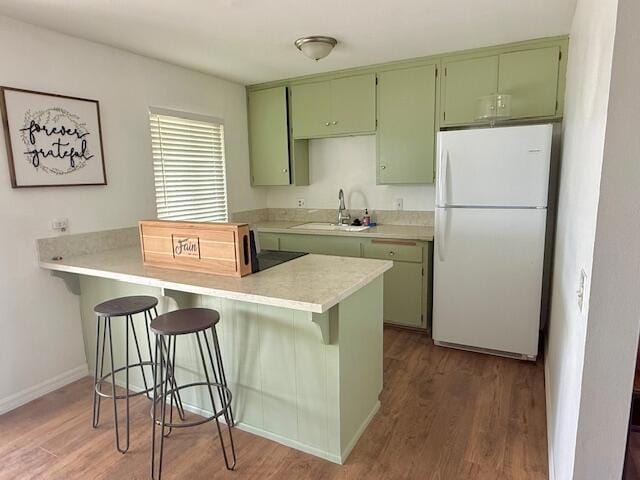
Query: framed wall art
x,y
52,140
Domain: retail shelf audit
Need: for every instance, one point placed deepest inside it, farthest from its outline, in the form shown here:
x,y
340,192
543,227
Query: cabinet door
x,y
406,125
269,137
531,78
269,241
321,244
353,105
403,294
464,82
311,109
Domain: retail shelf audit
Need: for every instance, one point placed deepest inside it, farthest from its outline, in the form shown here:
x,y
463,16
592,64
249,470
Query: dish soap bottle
x,y
366,220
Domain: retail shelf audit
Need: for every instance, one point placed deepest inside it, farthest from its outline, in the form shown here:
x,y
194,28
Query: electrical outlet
x,y
581,289
301,203
398,203
60,224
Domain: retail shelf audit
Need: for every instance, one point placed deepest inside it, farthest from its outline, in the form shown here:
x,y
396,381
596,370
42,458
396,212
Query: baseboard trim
x,y
354,440
288,442
552,472
25,396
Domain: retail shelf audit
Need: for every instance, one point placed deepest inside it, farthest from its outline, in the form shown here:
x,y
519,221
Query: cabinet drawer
x,y
393,250
321,244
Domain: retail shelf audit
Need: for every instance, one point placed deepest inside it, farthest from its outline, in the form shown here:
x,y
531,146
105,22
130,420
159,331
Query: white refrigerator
x,y
490,223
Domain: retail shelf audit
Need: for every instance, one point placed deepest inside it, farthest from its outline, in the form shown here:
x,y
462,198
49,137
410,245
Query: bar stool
x,y
167,328
124,307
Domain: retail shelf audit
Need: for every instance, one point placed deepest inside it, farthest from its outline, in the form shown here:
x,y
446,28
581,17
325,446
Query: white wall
x,y
614,306
348,163
588,78
39,321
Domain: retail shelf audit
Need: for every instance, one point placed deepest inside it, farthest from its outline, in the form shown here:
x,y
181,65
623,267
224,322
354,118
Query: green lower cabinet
x,y
403,294
321,244
269,241
407,286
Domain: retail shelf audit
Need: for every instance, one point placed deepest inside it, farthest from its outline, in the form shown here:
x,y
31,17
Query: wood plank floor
x,y
446,414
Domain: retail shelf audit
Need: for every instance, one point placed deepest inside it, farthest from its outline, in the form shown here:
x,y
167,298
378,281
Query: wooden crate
x,y
216,248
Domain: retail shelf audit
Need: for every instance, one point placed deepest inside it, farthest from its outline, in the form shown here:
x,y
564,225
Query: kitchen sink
x,y
329,226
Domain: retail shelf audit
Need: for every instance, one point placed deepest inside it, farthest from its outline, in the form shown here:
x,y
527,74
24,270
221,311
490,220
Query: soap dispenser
x,y
366,220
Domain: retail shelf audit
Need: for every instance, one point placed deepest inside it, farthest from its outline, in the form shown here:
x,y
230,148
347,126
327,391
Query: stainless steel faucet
x,y
343,215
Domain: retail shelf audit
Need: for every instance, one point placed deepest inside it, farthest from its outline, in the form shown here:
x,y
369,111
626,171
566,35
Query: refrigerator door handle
x,y
441,227
443,170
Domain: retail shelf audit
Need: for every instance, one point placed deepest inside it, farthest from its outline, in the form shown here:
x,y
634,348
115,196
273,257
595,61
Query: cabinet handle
x,y
383,167
334,123
391,253
327,124
285,170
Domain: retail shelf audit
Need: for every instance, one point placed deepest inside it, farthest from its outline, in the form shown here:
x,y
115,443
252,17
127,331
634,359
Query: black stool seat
x,y
184,321
120,307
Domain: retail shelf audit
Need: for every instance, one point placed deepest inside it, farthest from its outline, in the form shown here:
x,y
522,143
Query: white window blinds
x,y
189,167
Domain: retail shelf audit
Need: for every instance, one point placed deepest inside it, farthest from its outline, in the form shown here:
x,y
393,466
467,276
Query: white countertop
x,y
313,283
397,232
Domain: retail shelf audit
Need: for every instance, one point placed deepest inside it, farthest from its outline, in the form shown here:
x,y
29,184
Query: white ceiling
x,y
251,41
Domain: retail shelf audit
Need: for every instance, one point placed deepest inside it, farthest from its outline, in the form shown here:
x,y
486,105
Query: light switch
x,y
399,203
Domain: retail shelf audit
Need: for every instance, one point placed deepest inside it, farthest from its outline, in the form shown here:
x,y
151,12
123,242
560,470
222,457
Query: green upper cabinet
x,y
311,109
343,106
353,105
531,78
406,125
268,137
464,82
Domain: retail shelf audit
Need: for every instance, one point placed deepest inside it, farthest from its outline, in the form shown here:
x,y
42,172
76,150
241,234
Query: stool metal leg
x,y
174,385
135,339
169,358
99,358
230,466
155,404
147,323
228,413
162,399
113,388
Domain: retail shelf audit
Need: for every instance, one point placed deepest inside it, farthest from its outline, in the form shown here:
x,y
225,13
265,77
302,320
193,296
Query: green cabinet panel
x,y
390,250
353,105
269,241
406,285
269,137
403,294
321,244
311,109
464,82
406,125
337,107
531,78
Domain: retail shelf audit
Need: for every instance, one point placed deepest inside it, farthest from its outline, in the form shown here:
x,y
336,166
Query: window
x,y
188,166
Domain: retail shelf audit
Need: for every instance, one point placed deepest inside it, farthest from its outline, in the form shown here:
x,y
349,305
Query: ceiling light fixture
x,y
316,46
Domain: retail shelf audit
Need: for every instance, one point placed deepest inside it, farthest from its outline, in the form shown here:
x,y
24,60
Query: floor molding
x,y
552,473
354,440
25,396
332,457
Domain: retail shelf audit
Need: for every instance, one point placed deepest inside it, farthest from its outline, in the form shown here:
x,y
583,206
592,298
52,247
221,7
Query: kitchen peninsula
x,y
301,342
